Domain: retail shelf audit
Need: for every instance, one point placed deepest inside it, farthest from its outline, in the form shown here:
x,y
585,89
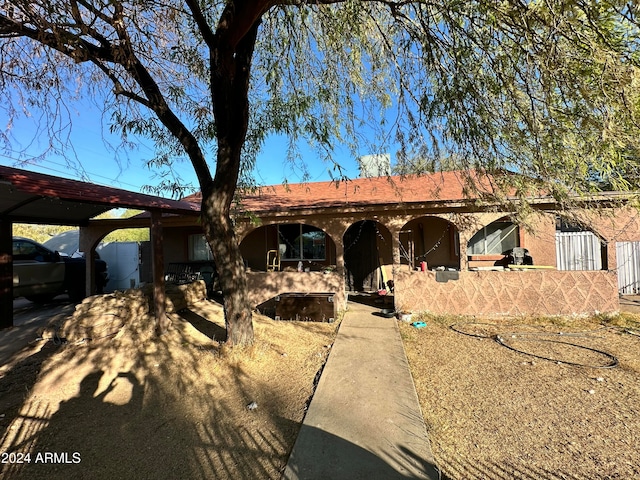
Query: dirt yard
x,y
127,404
496,413
131,405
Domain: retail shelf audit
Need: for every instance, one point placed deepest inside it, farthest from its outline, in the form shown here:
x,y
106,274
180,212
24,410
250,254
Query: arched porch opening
x,y
286,246
432,240
493,244
368,257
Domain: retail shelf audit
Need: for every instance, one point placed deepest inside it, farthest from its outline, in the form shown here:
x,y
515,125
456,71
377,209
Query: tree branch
x,y
238,18
86,29
201,21
118,87
98,13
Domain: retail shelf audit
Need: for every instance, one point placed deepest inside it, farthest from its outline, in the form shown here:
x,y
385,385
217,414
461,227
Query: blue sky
x,y
91,150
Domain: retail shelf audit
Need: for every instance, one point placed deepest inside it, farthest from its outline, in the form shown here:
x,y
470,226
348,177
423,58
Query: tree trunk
x,y
230,70
226,253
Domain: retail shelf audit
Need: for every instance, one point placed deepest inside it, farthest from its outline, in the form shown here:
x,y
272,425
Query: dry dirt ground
x,y
131,405
496,413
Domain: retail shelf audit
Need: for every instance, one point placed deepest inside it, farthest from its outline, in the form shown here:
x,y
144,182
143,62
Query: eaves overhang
x,y
29,197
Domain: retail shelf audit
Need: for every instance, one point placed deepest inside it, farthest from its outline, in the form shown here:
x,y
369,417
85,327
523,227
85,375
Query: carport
x,y
28,197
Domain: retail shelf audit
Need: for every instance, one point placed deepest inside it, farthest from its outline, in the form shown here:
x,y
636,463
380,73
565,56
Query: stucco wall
x,y
536,292
176,244
474,293
264,286
540,239
544,292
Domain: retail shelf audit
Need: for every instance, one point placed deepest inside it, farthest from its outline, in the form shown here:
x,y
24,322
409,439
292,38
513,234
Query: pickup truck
x,y
40,274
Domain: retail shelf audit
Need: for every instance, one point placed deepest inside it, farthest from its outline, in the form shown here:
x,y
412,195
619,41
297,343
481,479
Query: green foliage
x,y
125,234
42,233
545,90
39,233
128,235
543,95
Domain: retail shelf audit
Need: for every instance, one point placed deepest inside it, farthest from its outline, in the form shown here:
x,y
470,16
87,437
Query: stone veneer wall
x,y
493,293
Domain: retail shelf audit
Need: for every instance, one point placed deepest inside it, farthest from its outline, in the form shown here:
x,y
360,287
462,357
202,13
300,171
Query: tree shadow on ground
x,y
371,299
133,404
16,383
204,326
79,437
118,426
456,467
319,454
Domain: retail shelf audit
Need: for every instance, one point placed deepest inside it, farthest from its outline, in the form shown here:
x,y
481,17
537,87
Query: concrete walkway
x,y
364,421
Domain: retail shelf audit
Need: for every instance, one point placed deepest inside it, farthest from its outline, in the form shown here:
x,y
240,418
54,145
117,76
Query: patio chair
x,y
208,274
273,261
518,255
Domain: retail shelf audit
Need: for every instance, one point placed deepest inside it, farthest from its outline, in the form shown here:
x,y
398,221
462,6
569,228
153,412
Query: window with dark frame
x,y
302,242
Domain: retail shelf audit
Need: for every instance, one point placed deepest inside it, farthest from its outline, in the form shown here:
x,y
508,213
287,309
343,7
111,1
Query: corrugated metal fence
x,y
583,251
628,260
578,251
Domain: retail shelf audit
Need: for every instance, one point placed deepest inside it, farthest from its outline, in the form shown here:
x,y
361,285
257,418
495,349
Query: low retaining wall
x,y
263,286
490,293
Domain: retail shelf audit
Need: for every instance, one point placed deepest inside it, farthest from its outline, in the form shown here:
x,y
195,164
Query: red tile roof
x,y
432,188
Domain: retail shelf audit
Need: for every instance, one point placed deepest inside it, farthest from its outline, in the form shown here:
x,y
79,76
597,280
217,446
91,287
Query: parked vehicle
x,y
39,274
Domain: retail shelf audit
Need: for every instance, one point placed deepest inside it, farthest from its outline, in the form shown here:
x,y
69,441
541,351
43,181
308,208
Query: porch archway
x,y
368,256
292,243
429,239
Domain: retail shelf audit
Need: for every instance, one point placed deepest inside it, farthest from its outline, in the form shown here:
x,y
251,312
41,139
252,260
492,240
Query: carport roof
x,y
29,197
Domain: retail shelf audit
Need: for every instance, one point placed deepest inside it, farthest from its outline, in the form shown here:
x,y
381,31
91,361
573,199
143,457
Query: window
x,y
566,225
301,242
494,239
199,248
26,250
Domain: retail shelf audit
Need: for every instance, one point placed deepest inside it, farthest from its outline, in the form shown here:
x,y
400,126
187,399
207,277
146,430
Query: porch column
x,y
87,244
6,273
340,270
157,253
463,238
395,245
